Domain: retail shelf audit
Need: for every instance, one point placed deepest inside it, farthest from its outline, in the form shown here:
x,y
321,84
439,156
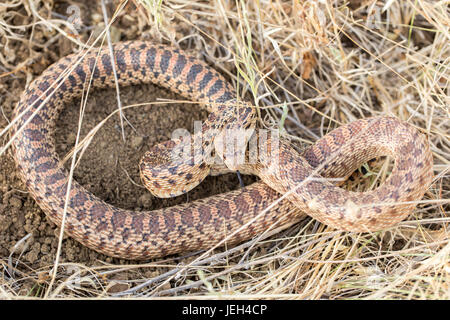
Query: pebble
x,y
117,287
33,254
45,248
15,202
136,142
71,138
145,200
166,286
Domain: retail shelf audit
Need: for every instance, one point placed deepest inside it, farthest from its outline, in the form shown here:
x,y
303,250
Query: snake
x,y
298,183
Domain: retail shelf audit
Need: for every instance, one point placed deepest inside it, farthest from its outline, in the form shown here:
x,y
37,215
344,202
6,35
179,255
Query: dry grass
x,y
312,65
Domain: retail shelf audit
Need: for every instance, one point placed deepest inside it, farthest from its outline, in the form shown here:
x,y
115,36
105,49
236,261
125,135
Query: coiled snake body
x,y
204,223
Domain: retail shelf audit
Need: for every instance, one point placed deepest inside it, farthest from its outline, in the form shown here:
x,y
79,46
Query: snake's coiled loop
x,y
186,161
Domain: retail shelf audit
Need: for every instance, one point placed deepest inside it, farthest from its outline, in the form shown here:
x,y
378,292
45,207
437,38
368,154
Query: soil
x,y
108,169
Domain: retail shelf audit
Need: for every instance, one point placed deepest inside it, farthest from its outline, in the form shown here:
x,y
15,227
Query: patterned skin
x,y
201,224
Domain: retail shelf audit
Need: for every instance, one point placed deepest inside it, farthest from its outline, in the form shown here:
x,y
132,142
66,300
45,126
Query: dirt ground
x,y
108,169
336,63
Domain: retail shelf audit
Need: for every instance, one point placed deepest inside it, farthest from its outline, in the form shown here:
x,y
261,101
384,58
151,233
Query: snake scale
x,y
204,223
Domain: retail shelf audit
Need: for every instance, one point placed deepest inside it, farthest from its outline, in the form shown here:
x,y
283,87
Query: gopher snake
x,y
204,223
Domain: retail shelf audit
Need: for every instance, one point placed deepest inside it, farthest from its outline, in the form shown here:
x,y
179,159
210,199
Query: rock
x,y
136,142
15,202
145,200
